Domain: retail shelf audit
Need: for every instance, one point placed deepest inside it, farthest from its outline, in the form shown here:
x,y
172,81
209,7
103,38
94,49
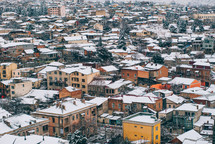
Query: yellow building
x,y
142,127
6,70
204,17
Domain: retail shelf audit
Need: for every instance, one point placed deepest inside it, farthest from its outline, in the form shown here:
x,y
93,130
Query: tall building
x,y
6,70
56,10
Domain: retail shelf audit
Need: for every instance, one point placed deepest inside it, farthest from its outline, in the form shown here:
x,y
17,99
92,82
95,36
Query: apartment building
x,y
68,116
78,77
204,17
56,10
198,70
187,114
6,70
142,126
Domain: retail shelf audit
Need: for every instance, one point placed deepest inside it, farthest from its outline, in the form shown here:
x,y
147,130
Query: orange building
x,y
70,92
68,116
146,74
125,103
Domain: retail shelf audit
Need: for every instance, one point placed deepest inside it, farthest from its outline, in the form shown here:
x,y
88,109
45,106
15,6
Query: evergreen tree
x,y
165,24
77,138
104,56
29,27
157,58
100,42
182,26
173,29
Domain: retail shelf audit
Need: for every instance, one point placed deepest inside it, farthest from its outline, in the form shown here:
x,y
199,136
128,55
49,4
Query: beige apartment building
x,y
20,87
22,72
56,10
68,116
78,77
6,70
204,17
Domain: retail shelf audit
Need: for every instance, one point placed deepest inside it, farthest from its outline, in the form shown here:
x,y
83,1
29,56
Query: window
x,y
113,105
53,120
37,130
66,129
65,79
141,127
127,75
83,80
13,92
23,85
50,78
73,117
55,72
123,74
55,79
135,126
135,75
45,128
76,116
156,128
169,106
119,106
53,129
66,120
12,87
60,73
83,86
18,73
135,135
156,137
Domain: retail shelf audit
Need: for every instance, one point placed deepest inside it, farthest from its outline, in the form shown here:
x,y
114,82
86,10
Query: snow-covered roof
x,y
70,106
71,89
203,120
209,111
118,84
81,69
56,64
176,99
4,113
17,121
207,97
100,82
143,118
191,134
195,90
42,95
190,107
32,139
168,110
152,66
181,80
98,100
75,38
109,68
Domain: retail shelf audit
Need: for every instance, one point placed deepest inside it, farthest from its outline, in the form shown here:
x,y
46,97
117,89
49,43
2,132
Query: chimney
x,y
83,101
74,102
197,107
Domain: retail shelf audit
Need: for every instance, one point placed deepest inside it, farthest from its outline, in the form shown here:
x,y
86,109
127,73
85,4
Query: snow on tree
x,y
77,138
157,58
